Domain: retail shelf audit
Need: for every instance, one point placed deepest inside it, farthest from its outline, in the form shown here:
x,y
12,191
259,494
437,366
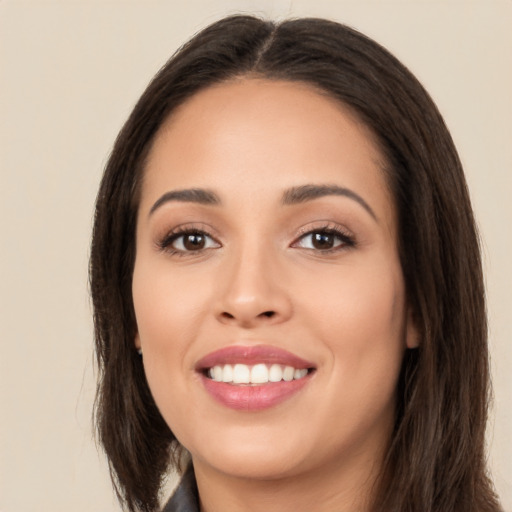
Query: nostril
x,y
225,315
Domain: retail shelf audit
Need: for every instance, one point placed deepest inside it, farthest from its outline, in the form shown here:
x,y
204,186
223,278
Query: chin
x,y
252,453
254,466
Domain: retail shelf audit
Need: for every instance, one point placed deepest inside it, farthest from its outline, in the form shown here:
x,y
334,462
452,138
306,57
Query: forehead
x,y
281,107
252,135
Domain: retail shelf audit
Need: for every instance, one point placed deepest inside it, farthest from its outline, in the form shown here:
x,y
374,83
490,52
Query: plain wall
x,y
70,71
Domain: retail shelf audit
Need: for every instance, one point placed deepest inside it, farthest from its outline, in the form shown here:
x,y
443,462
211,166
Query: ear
x,y
412,335
137,343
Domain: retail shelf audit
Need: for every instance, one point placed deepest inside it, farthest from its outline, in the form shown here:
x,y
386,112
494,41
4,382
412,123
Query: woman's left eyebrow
x,y
190,195
297,195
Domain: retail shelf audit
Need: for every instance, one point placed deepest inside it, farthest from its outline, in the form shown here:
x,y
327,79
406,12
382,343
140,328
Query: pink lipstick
x,y
253,378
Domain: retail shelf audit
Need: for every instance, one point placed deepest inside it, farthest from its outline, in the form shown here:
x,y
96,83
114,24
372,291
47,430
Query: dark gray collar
x,y
185,498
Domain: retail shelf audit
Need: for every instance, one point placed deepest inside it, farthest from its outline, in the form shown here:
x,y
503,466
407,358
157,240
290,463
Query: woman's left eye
x,y
324,240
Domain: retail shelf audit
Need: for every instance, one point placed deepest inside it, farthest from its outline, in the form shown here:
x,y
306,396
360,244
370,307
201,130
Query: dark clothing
x,y
185,498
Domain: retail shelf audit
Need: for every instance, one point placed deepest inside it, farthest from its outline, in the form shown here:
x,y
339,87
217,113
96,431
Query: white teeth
x,y
227,374
241,374
288,373
299,374
275,373
217,373
258,374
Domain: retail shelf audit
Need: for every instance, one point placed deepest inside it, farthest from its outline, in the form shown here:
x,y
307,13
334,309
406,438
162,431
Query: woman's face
x,y
267,251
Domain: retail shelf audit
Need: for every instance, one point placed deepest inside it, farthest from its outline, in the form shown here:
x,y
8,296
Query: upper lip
x,y
250,355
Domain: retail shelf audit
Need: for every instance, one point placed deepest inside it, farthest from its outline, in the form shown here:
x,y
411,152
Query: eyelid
x,y
173,242
330,227
163,242
323,225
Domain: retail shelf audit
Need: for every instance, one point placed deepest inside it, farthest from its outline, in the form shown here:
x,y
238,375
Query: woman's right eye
x,y
188,241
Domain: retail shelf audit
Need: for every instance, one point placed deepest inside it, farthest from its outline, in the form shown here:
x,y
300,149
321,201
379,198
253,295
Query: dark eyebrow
x,y
191,195
297,195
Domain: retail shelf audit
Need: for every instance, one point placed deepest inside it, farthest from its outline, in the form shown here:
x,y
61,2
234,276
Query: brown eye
x,y
188,241
194,241
323,240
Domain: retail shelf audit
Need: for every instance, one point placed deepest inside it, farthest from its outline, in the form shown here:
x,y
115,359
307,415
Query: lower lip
x,y
255,397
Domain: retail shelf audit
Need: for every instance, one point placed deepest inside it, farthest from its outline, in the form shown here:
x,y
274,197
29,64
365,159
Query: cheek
x,y
361,318
169,314
361,324
357,297
168,308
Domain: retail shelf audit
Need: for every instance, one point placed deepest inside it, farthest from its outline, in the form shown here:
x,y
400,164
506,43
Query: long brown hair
x,y
436,460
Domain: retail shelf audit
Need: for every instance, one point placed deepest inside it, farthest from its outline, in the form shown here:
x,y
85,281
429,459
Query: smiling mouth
x,y
253,378
255,375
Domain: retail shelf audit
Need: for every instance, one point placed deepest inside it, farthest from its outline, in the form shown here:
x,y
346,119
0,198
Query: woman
x,y
287,284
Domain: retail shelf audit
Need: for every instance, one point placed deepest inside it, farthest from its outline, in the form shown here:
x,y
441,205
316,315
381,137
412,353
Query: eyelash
x,y
346,240
166,244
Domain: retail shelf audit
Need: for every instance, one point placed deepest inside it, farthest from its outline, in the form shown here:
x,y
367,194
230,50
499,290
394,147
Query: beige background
x,y
70,71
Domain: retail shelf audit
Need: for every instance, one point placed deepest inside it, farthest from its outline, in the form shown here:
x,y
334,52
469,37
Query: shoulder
x,y
185,497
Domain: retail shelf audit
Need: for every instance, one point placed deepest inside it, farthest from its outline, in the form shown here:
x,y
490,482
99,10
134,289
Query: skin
x,y
345,310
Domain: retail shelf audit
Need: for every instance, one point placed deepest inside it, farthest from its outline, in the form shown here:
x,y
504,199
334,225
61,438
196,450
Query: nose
x,y
252,291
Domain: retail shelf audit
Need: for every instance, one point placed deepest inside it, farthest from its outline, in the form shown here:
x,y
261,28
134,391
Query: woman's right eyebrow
x,y
189,195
